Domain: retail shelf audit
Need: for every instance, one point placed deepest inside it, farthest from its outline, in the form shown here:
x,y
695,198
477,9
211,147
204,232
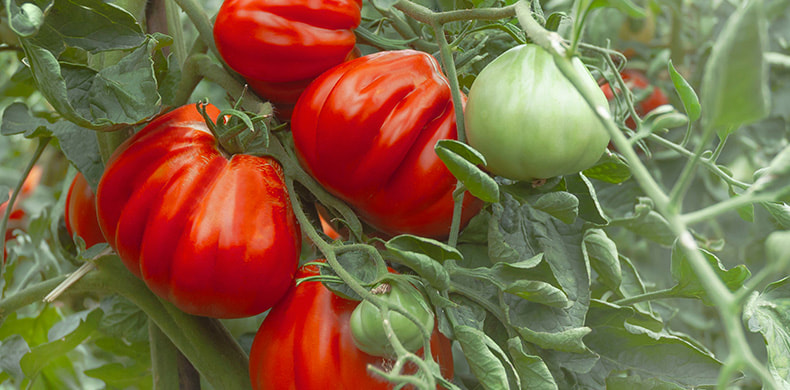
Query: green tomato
x,y
529,121
367,329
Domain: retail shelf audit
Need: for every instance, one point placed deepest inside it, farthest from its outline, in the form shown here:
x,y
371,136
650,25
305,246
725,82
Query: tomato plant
x,y
280,46
529,121
213,234
369,334
80,212
306,342
535,258
366,130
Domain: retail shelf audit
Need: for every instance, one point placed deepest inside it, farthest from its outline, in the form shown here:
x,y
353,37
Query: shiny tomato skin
x,y
213,234
80,212
366,130
279,46
305,343
529,121
636,81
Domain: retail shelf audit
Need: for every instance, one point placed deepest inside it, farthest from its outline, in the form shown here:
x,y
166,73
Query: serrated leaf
x,y
359,265
780,213
102,26
81,148
532,370
39,356
569,340
735,88
687,95
561,205
18,120
481,353
589,208
603,256
11,351
687,281
645,351
769,314
609,169
462,161
123,319
425,257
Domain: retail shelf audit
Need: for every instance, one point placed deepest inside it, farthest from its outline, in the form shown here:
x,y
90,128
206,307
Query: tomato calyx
x,y
238,132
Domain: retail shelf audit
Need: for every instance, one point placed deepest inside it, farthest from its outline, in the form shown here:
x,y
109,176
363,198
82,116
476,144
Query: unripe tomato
x,y
366,130
279,46
81,212
305,343
213,234
636,81
368,331
529,121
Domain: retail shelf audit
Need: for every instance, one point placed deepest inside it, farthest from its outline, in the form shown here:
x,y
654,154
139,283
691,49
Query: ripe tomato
x,y
636,81
280,46
366,130
529,121
211,233
81,212
305,343
368,332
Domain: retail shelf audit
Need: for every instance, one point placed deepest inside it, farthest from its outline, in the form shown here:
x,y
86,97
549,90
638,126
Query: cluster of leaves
x,y
579,282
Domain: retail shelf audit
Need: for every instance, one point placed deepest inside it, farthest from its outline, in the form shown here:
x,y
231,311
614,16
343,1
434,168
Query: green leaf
x,y
775,179
384,4
81,148
602,253
532,370
118,376
425,257
102,26
629,382
561,205
589,208
24,20
11,351
123,319
554,20
610,168
686,93
462,161
121,94
360,265
18,120
484,357
780,213
646,222
644,352
39,356
688,284
569,340
735,88
769,314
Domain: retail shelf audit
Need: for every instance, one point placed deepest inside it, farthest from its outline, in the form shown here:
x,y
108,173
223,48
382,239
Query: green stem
x,y
204,341
660,294
455,224
202,23
176,30
109,141
427,16
200,66
686,176
705,162
722,207
42,144
164,359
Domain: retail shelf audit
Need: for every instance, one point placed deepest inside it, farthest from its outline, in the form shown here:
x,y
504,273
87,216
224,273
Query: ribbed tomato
x,y
305,343
212,233
279,46
80,212
366,130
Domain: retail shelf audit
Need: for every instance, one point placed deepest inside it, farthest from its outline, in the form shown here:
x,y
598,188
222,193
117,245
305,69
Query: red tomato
x,y
366,130
279,46
211,233
81,212
636,82
305,343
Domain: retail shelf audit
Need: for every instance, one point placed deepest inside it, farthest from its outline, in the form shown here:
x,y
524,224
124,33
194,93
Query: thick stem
x,y
202,23
164,359
427,16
